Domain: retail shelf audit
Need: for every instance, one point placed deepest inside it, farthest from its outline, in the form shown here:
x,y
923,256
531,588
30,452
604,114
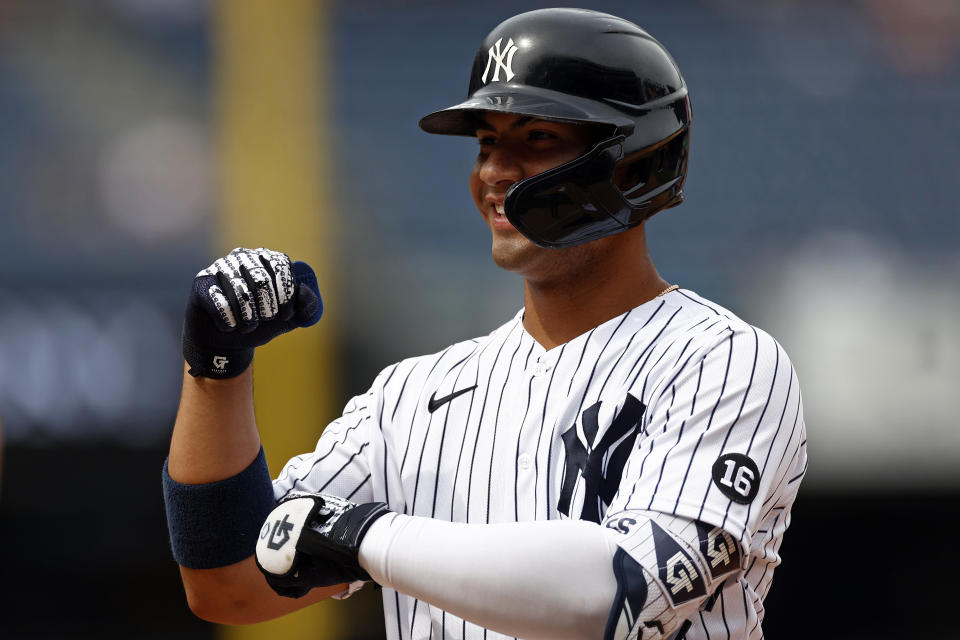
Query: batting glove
x,y
312,540
242,301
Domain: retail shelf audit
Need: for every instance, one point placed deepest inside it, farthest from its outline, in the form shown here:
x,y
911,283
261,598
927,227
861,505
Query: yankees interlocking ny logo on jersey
x,y
615,446
496,57
676,407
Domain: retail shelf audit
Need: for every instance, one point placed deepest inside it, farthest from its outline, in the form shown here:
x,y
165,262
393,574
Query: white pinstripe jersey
x,y
631,415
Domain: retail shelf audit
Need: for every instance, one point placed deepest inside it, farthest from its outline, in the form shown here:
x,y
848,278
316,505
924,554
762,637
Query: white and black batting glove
x,y
243,301
312,540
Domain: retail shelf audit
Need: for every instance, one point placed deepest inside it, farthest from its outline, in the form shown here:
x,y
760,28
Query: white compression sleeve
x,y
543,579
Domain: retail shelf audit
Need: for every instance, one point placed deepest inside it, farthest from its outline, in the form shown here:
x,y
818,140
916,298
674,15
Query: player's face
x,y
512,148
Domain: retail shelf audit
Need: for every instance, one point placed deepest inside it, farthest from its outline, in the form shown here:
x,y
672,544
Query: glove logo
x,y
496,56
283,528
220,362
676,568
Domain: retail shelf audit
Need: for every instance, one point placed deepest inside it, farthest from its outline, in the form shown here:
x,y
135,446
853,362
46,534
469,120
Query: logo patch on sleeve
x,y
677,569
737,477
719,548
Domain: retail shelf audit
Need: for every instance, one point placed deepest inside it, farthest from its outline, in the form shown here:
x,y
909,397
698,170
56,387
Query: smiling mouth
x,y
497,217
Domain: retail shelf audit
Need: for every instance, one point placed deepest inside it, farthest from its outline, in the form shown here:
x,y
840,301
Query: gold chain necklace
x,y
672,287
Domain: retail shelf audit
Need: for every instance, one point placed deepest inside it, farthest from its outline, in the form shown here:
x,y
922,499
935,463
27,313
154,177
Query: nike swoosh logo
x,y
435,402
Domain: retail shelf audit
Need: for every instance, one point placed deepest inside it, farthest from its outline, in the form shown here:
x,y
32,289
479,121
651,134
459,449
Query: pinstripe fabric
x,y
706,383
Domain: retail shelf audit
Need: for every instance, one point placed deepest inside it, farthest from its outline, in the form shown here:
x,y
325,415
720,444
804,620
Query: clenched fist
x,y
242,301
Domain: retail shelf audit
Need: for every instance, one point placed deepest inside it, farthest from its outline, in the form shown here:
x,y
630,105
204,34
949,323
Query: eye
x,y
486,140
541,134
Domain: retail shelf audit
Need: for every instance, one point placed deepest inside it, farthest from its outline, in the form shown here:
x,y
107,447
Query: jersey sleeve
x,y
723,431
340,463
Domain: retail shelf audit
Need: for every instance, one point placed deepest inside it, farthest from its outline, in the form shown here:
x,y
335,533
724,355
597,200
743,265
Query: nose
x,y
500,167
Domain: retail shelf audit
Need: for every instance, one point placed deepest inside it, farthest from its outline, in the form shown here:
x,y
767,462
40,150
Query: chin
x,y
549,266
514,253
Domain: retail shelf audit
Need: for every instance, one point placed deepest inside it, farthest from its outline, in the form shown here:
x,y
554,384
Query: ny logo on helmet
x,y
496,56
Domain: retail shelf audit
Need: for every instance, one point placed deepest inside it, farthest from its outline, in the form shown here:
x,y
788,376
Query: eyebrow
x,y
525,120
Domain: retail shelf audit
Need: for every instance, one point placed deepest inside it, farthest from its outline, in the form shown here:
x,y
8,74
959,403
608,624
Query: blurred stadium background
x,y
139,139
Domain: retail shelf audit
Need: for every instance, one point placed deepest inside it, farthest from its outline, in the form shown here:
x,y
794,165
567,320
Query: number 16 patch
x,y
737,477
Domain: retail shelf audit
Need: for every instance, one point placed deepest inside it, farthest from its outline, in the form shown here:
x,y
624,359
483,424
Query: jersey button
x,y
539,369
525,460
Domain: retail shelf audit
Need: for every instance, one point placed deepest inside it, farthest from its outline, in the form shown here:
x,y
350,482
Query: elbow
x,y
216,607
225,609
220,601
205,609
239,595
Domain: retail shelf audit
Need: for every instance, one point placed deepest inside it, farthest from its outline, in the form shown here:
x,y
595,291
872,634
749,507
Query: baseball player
x,y
617,460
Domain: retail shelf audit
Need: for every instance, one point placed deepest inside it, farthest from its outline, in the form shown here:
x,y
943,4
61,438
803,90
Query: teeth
x,y
499,208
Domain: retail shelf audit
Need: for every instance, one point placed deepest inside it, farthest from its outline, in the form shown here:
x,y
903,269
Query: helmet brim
x,y
461,119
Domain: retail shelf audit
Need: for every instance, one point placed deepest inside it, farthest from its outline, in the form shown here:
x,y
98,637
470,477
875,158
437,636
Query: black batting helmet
x,y
581,66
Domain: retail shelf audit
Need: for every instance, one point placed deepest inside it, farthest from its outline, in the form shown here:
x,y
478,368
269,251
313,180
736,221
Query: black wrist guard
x,y
313,540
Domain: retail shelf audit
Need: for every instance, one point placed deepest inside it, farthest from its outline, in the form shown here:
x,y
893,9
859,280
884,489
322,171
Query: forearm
x,y
239,594
531,579
215,435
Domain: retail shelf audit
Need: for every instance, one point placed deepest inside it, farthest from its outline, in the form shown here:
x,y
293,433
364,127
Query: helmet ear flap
x,y
632,173
654,178
672,156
